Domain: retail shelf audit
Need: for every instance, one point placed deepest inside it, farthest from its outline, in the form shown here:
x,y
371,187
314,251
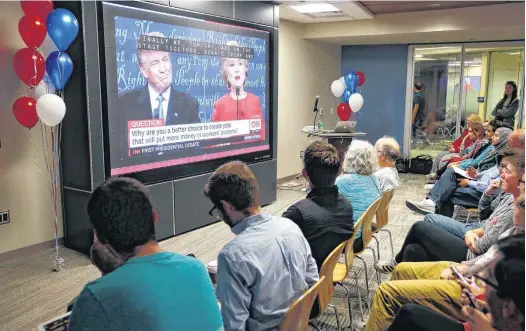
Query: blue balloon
x,y
351,81
345,96
62,27
59,68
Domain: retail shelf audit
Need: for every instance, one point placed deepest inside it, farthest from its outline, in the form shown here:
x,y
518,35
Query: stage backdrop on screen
x,y
183,91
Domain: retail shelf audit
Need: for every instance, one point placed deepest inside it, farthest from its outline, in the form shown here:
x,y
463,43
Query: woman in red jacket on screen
x,y
238,104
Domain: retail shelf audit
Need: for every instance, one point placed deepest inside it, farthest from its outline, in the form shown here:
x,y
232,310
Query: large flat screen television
x,y
184,93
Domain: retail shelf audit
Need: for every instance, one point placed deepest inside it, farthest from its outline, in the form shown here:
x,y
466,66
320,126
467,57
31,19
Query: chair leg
x,y
378,277
337,317
366,277
359,294
314,326
377,247
348,301
390,241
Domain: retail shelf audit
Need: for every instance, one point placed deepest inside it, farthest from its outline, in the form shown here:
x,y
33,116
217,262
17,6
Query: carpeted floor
x,y
30,293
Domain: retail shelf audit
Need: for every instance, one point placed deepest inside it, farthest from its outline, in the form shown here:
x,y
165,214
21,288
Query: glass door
x,y
487,68
436,98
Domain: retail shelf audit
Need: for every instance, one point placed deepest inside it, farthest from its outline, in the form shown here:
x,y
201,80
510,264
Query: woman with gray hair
x,y
358,182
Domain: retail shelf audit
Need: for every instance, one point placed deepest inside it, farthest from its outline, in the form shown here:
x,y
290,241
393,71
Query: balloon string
x,y
34,81
39,169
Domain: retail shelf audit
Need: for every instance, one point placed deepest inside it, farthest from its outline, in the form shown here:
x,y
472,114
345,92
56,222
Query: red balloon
x,y
25,111
29,65
361,78
344,111
40,8
32,29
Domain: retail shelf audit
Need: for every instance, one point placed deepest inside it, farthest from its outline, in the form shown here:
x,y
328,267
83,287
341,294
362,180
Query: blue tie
x,y
158,112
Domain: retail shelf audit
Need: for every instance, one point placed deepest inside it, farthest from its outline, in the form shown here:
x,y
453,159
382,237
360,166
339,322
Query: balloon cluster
x,y
346,88
62,26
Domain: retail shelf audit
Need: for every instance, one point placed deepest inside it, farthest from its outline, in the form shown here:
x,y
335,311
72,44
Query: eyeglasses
x,y
215,212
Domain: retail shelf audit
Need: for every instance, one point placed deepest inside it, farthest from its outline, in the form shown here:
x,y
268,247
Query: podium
x,y
339,140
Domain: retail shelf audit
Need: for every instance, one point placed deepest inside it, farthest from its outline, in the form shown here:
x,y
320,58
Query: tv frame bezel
x,y
177,172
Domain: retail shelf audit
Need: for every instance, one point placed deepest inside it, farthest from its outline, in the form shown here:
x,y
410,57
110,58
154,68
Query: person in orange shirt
x,y
238,104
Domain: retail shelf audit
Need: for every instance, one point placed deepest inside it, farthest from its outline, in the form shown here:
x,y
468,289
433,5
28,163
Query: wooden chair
x,y
342,270
367,234
382,218
326,290
298,315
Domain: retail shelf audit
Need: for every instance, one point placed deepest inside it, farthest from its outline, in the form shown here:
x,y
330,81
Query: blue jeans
x,y
452,226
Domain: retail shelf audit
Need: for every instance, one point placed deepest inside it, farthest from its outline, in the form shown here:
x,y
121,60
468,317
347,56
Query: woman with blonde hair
x,y
457,148
238,104
358,182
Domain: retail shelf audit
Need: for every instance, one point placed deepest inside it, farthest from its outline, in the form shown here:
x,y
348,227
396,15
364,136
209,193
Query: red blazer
x,y
228,109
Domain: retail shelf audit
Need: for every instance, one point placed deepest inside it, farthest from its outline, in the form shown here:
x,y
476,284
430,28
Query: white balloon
x,y
341,79
337,88
43,88
355,102
51,109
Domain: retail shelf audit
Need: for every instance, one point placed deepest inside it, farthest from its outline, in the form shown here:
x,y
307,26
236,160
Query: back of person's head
x,y
388,147
122,214
234,183
322,164
419,86
509,272
360,158
496,124
475,118
516,139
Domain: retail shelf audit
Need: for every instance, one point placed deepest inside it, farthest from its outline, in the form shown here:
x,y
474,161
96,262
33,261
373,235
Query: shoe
x,y
385,266
425,207
359,325
428,187
432,176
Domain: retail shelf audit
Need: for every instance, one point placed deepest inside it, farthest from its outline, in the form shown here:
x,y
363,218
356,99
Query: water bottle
x,y
320,122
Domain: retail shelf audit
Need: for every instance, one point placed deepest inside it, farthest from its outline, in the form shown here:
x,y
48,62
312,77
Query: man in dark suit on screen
x,y
158,100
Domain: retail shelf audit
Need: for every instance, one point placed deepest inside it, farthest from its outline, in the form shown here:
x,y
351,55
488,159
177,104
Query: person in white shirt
x,y
387,150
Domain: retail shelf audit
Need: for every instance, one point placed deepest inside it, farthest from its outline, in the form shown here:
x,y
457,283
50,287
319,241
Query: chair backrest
x,y
367,220
327,269
382,213
349,252
298,315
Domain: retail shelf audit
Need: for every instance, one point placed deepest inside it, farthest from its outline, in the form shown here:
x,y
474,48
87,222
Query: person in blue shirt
x,y
358,182
267,266
152,289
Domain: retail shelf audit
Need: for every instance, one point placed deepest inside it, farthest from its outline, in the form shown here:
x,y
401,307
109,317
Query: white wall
x,y
24,188
306,69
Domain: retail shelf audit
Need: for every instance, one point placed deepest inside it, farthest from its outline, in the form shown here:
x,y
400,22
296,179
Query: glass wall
x,y
458,80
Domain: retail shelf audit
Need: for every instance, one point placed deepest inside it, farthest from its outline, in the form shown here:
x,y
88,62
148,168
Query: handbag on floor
x,y
421,165
402,165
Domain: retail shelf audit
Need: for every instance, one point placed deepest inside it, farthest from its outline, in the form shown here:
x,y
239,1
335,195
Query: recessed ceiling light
x,y
419,56
435,5
315,8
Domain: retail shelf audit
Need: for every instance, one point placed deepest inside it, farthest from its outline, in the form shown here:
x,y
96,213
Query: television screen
x,y
182,91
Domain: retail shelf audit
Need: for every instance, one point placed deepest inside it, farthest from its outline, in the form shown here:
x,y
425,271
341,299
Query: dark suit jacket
x,y
182,107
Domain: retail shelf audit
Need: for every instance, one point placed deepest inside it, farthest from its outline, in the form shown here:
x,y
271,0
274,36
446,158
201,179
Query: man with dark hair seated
x,y
269,265
152,289
502,308
325,217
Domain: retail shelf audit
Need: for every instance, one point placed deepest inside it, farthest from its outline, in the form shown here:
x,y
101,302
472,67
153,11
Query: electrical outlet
x,y
4,217
301,154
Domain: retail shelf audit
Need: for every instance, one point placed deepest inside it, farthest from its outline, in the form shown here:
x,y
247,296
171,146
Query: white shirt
x,y
388,178
154,102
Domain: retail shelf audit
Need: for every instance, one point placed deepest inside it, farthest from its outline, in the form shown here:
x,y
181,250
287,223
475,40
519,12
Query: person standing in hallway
x,y
419,115
507,107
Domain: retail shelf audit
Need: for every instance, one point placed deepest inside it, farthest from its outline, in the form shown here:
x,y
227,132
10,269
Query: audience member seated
x,y
431,284
358,183
438,195
325,217
499,299
460,144
428,241
153,289
269,265
387,150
